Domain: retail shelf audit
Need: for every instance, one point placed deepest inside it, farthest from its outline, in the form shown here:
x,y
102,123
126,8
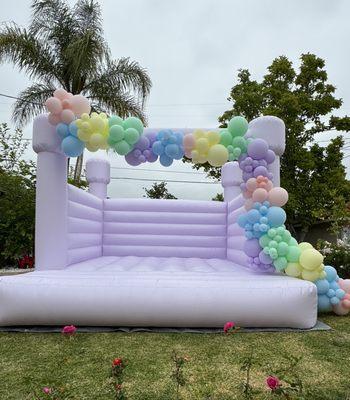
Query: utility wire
x,y
163,180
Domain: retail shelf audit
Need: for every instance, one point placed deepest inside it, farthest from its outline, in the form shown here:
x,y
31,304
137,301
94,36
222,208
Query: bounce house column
x,y
51,197
231,178
98,174
273,130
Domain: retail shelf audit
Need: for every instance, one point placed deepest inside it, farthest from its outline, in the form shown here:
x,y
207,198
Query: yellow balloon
x,y
311,259
217,155
83,135
310,275
202,145
91,148
213,137
305,245
293,269
96,140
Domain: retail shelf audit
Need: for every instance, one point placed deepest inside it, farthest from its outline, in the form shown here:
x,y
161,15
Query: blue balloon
x,y
331,273
322,286
242,220
253,216
324,304
276,216
62,130
72,147
334,300
157,148
340,293
73,129
171,150
165,160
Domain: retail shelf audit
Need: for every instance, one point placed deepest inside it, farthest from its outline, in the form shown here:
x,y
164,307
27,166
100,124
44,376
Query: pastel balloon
x,y
79,105
238,126
341,309
259,195
134,123
217,155
276,216
67,116
54,119
252,247
53,105
310,259
293,269
278,196
305,245
61,94
72,146
257,149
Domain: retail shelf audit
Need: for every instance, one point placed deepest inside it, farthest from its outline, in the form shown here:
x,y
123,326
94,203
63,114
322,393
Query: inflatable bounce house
x,y
165,263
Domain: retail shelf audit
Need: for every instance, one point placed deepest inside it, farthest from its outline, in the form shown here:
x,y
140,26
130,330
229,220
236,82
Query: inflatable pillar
x,y
98,175
231,178
51,197
273,130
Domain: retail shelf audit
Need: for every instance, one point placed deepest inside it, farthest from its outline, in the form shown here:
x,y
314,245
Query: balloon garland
x,y
269,246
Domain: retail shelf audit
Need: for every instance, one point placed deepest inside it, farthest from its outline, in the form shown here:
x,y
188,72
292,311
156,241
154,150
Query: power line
x,y
159,170
163,180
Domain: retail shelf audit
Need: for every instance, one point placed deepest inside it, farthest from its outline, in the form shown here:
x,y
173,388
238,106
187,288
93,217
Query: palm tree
x,y
64,47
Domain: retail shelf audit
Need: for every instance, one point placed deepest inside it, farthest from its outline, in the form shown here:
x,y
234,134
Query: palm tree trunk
x,y
78,168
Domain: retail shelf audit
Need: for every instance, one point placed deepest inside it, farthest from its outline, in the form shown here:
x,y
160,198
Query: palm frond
x,y
20,47
31,102
106,98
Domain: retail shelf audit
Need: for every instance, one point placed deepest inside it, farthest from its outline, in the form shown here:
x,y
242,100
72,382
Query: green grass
x,y
80,367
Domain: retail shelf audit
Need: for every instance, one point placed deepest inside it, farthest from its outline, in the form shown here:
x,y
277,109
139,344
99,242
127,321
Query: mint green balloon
x,y
240,142
273,244
271,233
280,263
264,241
116,133
225,138
135,123
293,254
282,248
286,236
237,152
238,126
131,135
115,120
278,238
122,148
293,242
273,253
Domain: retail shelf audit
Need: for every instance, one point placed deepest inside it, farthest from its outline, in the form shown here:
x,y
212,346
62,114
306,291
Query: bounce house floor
x,y
157,292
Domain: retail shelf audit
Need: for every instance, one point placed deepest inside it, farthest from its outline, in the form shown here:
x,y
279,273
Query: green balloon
x,y
237,152
231,157
278,238
240,142
282,248
293,254
293,242
132,135
280,263
271,233
286,236
238,126
264,241
135,123
273,253
122,148
115,120
273,244
225,137
116,133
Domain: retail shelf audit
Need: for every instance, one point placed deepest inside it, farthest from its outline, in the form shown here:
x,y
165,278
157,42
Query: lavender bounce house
x,y
144,262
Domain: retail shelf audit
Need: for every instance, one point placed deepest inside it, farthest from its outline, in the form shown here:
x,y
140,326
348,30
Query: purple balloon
x,y
265,258
270,156
132,160
260,171
258,148
252,247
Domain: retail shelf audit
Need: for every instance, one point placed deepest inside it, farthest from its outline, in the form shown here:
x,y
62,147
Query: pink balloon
x,y
189,142
61,94
67,116
53,105
251,184
65,104
344,284
54,119
259,195
278,196
79,105
269,185
188,153
339,309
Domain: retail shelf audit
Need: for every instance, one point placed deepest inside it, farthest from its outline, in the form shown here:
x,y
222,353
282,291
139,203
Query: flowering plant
x,y
230,327
26,261
69,330
118,366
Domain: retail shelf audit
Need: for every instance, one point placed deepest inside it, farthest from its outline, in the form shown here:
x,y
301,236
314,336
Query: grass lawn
x,y
80,367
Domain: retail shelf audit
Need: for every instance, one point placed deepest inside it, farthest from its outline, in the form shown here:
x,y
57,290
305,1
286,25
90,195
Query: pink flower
x,y
69,330
273,382
117,362
47,390
229,326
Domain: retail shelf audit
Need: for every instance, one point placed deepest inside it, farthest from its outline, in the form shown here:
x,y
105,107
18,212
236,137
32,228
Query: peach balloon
x,y
61,94
344,284
67,116
259,195
79,105
53,105
65,104
278,196
54,119
339,309
251,184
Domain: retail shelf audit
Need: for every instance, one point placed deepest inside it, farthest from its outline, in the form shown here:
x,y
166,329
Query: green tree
x,y
64,47
17,198
304,99
158,191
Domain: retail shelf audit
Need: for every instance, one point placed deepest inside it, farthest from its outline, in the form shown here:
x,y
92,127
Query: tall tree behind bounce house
x,y
64,47
312,174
